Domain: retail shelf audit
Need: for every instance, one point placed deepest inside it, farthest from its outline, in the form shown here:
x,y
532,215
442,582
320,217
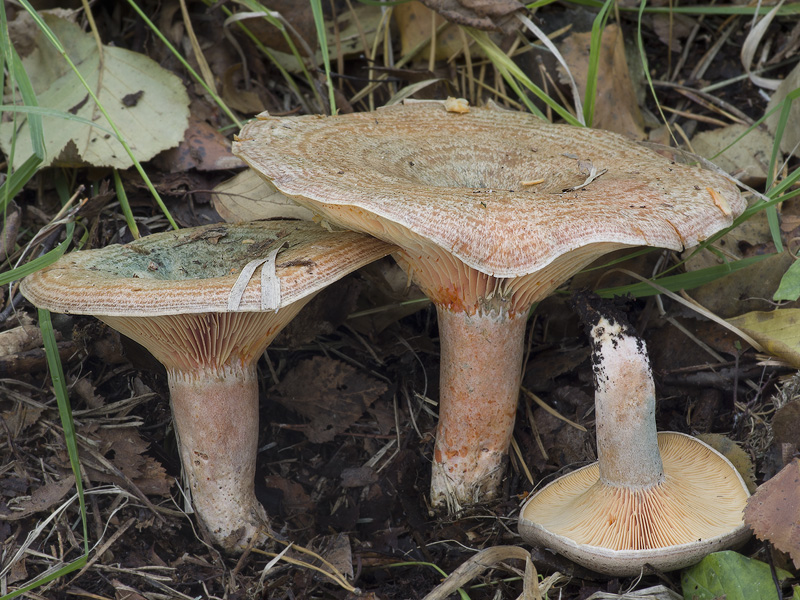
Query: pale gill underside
x,y
701,497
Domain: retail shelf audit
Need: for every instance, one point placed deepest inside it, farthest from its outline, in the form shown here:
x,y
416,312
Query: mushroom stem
x,y
481,363
216,419
625,401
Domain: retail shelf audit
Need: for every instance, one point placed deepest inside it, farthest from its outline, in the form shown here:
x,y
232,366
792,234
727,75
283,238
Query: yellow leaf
x,y
776,330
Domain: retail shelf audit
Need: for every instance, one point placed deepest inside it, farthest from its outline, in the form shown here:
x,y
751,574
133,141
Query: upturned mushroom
x,y
492,211
663,499
189,297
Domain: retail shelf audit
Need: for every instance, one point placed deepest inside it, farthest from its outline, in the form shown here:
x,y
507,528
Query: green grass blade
x,y
276,22
18,79
64,411
683,281
322,37
29,97
514,76
39,262
728,9
595,46
17,180
185,64
125,205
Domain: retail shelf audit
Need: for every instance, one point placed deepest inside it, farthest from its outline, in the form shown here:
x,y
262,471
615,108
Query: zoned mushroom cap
x,y
504,192
193,271
697,509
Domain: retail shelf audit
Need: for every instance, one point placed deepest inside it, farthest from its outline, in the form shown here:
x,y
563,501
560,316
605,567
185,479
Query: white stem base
x,y
216,419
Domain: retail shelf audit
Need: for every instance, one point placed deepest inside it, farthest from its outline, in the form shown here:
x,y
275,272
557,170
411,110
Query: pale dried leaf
x,y
147,103
248,197
748,158
790,141
778,331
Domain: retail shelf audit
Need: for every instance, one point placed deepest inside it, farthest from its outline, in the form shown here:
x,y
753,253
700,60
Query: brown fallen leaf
x,y
358,476
129,457
415,25
785,423
340,554
297,504
19,339
330,393
773,512
42,499
616,105
203,148
490,15
747,159
672,28
20,417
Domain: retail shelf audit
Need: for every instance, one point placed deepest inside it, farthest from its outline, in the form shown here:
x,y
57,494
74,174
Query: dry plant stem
x,y
625,401
216,418
481,364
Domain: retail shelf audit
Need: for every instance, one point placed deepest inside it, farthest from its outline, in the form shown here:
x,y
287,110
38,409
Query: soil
x,y
348,402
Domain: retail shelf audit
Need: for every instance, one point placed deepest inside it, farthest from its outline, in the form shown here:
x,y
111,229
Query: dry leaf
x,y
330,393
414,23
616,106
773,512
350,25
340,554
786,423
147,103
790,141
747,159
203,148
297,504
358,476
20,417
129,456
42,499
489,15
19,339
671,28
778,331
247,197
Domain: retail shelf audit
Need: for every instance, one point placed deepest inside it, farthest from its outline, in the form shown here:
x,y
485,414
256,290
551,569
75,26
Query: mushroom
x,y
492,211
180,294
663,499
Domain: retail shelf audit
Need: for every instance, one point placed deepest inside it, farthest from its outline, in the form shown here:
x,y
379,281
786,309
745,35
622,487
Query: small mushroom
x,y
181,295
663,499
492,211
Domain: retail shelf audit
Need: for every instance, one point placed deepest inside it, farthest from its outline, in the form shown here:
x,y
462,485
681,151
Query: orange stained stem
x,y
481,363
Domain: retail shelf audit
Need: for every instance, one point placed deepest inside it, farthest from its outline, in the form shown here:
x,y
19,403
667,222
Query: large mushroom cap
x,y
193,271
467,182
695,510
